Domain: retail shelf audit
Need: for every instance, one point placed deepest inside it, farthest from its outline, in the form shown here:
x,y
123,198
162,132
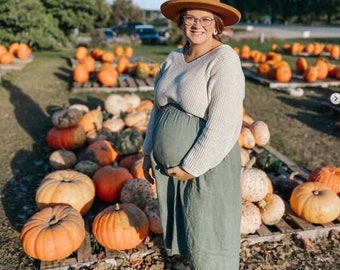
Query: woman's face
x,y
198,26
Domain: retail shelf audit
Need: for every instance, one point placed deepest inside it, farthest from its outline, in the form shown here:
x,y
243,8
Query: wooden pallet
x,y
290,224
17,65
297,81
125,83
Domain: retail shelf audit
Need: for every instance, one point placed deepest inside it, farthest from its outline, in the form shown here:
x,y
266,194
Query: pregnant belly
x,y
174,135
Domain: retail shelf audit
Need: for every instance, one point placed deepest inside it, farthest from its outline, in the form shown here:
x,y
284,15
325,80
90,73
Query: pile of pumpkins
x,y
317,200
106,66
272,65
96,155
311,49
15,50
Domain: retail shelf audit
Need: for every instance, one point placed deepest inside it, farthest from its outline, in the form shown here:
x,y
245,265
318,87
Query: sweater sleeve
x,y
224,119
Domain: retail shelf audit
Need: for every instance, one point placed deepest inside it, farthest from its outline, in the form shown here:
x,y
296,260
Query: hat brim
x,y
228,14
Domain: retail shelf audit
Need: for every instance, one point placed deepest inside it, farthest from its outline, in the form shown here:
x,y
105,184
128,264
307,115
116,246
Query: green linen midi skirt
x,y
200,217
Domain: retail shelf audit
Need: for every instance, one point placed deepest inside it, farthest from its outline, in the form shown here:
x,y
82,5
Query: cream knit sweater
x,y
211,87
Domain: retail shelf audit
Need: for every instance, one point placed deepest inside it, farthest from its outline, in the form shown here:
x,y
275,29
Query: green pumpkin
x,y
129,141
142,71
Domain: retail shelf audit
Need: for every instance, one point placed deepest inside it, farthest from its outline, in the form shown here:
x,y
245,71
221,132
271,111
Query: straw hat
x,y
171,9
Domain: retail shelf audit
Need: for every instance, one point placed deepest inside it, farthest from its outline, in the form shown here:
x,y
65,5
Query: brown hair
x,y
218,23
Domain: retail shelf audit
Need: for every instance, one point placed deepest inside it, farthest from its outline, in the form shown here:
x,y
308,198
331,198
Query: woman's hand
x,y
179,174
147,169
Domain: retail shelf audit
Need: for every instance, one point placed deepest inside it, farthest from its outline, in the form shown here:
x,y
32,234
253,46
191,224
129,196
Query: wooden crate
x,y
297,81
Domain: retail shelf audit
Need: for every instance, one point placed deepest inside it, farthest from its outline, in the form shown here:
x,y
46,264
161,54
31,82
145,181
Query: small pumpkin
x,y
251,218
6,58
315,202
68,138
120,226
116,104
81,73
23,51
87,167
301,64
92,120
62,159
109,181
260,131
327,175
102,152
137,191
114,124
107,77
66,187
311,74
66,117
254,184
129,141
152,212
246,138
81,53
142,70
53,233
272,209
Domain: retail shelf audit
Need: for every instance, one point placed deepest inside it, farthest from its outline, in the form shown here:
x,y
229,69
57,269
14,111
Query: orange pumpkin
x,y
92,120
123,65
118,51
301,64
121,226
128,52
311,74
66,187
6,58
329,176
23,51
13,47
81,53
107,78
315,202
109,181
102,152
263,68
322,67
53,233
81,73
108,57
66,138
90,63
335,52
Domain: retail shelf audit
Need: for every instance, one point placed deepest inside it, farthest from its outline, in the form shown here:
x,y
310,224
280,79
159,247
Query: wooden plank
x,y
263,231
303,173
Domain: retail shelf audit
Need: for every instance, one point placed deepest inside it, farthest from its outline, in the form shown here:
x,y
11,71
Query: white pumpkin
x,y
251,218
272,209
254,184
116,104
261,132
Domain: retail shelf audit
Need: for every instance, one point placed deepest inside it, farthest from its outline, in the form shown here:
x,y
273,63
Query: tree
x,y
124,11
27,21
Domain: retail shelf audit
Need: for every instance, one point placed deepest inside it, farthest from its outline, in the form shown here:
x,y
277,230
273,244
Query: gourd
x,y
53,233
66,117
272,209
142,70
152,212
120,226
137,191
315,202
251,218
116,104
92,120
102,152
62,159
260,131
254,184
66,138
128,141
246,138
109,181
67,187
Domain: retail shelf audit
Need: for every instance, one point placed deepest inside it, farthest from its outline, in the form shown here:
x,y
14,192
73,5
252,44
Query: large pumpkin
x,y
109,182
66,187
53,233
120,226
315,202
329,176
66,138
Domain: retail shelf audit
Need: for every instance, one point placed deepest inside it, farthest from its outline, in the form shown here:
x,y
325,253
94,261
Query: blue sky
x,y
148,4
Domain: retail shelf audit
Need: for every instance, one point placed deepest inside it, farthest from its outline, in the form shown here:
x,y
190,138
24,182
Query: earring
x,y
215,32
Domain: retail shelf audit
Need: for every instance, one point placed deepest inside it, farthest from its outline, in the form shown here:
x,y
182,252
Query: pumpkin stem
x,y
54,221
117,206
316,192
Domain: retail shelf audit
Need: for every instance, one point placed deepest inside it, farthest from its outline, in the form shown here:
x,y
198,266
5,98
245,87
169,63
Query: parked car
x,y
109,35
127,28
147,34
164,35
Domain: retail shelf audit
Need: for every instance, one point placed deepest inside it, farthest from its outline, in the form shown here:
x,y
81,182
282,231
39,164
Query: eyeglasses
x,y
204,21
